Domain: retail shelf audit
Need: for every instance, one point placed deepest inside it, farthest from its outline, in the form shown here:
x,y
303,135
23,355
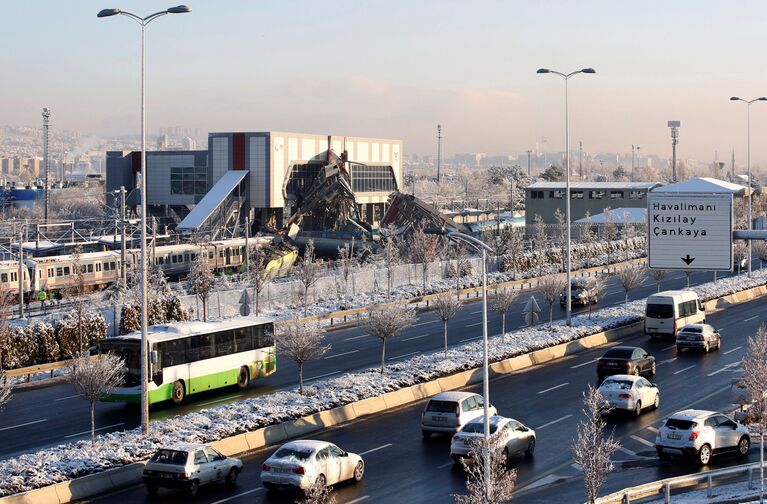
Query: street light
x,y
143,21
748,143
566,77
633,149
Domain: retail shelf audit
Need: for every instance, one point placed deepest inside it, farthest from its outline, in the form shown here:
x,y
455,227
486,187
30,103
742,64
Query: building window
x,y
616,194
367,178
636,195
576,195
556,194
596,194
536,194
191,180
301,177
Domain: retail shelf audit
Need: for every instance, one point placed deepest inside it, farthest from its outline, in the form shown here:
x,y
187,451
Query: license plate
x,y
282,469
611,364
674,436
439,419
166,475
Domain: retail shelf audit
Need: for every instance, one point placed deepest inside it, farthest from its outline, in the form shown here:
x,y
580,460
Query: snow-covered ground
x,y
725,493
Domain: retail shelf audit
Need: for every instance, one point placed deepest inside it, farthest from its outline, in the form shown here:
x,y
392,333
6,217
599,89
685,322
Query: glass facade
x,y
189,180
301,177
366,178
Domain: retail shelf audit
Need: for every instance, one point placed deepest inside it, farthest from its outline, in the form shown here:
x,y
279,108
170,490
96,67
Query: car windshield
x,y
173,457
299,453
616,384
696,330
658,311
680,424
619,353
478,427
441,406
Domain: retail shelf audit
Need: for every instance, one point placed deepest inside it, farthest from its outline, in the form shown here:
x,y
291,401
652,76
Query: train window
x,y
14,277
193,256
221,254
112,265
50,272
186,256
161,260
4,277
174,259
83,269
90,268
59,272
98,267
210,254
66,270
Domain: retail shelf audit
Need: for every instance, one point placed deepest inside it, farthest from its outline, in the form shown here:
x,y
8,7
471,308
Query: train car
x,y
56,273
9,278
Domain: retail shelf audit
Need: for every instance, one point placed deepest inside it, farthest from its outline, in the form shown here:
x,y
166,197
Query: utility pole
x,y
674,125
123,268
529,152
247,248
580,158
21,273
439,149
46,159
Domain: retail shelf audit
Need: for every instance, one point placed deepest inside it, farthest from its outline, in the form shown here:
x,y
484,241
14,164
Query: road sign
x,y
531,311
689,231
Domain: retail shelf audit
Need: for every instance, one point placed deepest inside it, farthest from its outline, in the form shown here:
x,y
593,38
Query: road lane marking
x,y
751,318
88,432
553,388
238,495
375,449
476,312
356,337
642,440
474,324
614,292
427,322
627,451
24,424
469,339
222,399
584,363
553,422
668,348
415,337
685,369
68,397
445,465
341,354
651,428
323,375
667,361
358,499
725,368
404,355
733,350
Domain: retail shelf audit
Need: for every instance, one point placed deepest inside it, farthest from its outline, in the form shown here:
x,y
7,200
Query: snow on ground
x,y
724,493
76,459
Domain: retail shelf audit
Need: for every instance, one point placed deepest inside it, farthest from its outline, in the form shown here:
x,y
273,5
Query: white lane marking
x,y
584,363
222,399
323,375
554,387
404,355
668,348
614,292
553,422
667,361
24,424
733,350
444,465
474,324
627,451
642,440
358,499
469,339
685,369
476,312
356,337
341,354
651,428
88,432
427,322
576,467
68,397
415,337
238,495
751,318
375,449
725,368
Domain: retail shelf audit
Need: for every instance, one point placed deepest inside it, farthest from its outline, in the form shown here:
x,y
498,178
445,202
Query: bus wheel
x,y
243,378
178,392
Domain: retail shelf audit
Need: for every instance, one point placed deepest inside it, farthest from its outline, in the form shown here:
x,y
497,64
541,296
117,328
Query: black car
x,y
626,360
580,295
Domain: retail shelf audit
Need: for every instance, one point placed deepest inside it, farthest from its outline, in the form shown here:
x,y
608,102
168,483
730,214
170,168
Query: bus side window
x,y
201,347
242,339
174,352
267,336
225,343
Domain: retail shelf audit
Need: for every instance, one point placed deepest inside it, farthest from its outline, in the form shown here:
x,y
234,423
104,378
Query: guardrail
x,y
664,487
39,368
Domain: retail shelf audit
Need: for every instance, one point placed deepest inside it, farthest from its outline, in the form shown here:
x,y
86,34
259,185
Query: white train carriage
x,y
9,278
98,269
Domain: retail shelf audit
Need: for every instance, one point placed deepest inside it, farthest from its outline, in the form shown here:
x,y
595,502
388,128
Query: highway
x,y
51,415
401,467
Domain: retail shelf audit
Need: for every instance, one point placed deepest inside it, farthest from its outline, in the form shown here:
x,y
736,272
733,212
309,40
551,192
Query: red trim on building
x,y
238,152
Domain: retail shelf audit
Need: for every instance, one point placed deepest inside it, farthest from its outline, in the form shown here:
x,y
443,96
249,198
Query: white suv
x,y
701,434
449,411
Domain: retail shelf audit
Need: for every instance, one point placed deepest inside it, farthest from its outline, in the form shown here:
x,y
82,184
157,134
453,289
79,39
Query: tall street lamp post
x,y
566,78
143,21
748,149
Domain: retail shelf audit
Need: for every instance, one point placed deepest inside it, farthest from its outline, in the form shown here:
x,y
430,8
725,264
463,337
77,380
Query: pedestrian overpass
x,y
218,211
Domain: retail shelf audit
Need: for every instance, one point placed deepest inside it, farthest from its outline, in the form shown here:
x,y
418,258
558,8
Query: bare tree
x,y
347,262
5,389
76,293
462,264
385,322
423,249
630,278
391,255
551,287
318,494
446,306
591,448
92,378
501,302
499,488
740,253
257,275
307,272
611,231
540,240
754,365
659,275
561,233
760,247
201,281
301,342
587,235
595,285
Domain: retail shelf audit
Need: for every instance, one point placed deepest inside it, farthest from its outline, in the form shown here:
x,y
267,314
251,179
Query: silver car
x,y
511,434
449,411
698,336
188,466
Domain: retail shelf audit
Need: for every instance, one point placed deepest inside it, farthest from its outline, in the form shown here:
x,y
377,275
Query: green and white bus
x,y
191,357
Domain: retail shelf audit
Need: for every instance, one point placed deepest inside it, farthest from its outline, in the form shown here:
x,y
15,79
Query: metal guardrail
x,y
664,487
39,368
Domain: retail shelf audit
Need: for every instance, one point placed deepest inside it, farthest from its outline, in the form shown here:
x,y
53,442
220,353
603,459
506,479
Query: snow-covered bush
x,y
92,325
48,349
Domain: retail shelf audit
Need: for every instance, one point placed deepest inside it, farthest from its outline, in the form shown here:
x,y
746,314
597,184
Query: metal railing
x,y
664,487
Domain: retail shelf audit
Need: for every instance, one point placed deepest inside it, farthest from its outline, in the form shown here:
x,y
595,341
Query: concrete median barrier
x,y
231,445
369,406
399,397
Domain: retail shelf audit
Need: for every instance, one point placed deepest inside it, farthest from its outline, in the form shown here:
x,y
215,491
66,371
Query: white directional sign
x,y
689,231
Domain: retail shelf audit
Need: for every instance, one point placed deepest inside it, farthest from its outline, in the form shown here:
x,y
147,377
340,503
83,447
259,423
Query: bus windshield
x,y
128,351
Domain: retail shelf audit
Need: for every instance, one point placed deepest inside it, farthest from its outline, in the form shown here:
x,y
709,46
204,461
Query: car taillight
x,y
701,338
693,436
183,476
625,396
266,467
457,410
298,470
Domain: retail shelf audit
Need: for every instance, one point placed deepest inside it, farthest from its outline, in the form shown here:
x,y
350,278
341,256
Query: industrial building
x,y
263,175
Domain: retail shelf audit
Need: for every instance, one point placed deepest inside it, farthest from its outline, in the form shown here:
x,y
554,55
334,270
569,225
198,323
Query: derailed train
x,y
100,269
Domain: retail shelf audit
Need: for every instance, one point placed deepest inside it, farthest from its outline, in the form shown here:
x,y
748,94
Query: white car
x,y
513,435
701,434
630,393
302,464
449,411
187,466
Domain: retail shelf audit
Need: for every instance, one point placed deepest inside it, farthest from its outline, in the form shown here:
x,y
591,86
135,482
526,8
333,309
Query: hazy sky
x,y
396,68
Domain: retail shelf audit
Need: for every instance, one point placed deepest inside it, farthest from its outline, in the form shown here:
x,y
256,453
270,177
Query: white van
x,y
669,311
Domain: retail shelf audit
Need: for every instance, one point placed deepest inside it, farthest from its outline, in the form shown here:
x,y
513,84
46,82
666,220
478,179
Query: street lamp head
x,y
762,98
179,9
734,98
589,71
543,70
108,13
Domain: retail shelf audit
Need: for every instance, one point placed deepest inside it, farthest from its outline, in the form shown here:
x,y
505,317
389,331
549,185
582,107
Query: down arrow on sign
x,y
687,259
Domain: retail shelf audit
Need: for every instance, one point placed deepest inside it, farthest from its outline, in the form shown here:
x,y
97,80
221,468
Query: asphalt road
x,y
55,414
401,467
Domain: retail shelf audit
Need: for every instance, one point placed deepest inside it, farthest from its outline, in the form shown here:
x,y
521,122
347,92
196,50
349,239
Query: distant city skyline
x,y
397,69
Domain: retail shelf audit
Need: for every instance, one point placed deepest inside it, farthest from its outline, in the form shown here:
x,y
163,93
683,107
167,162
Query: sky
x,y
397,68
